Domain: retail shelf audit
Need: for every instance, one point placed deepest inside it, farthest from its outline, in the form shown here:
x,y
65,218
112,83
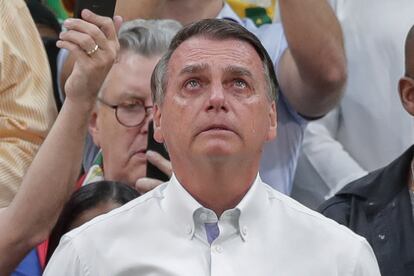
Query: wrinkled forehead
x,y
215,54
129,77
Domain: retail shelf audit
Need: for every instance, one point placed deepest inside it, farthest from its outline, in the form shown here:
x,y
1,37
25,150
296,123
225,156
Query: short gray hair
x,y
147,37
216,29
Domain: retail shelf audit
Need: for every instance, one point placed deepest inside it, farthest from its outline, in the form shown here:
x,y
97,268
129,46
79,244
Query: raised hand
x,y
94,45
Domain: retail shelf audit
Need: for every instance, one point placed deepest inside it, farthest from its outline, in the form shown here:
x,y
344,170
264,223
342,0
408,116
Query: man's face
x,y
123,148
216,104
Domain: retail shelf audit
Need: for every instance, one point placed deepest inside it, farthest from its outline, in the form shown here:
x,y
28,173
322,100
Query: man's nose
x,y
217,99
147,121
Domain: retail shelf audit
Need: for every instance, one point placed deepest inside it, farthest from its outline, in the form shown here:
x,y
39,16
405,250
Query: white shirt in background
x,y
370,128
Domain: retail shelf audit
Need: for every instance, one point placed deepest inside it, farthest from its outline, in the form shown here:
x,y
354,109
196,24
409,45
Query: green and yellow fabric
x,y
62,8
260,14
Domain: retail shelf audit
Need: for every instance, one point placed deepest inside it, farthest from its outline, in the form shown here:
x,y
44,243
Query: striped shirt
x,y
27,107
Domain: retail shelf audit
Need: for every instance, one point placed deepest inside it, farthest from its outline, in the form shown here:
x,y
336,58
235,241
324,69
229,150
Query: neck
x,y
188,11
218,186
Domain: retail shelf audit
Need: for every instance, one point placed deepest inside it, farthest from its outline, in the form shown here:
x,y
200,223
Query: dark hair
x,y
409,53
216,29
88,197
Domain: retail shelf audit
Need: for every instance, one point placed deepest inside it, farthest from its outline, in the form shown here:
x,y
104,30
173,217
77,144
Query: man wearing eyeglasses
x,y
119,123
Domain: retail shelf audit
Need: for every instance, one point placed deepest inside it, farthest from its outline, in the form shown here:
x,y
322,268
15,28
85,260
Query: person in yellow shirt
x,y
31,215
27,106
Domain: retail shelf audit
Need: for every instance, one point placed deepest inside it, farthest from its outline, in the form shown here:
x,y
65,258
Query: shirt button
x,y
218,248
381,237
244,230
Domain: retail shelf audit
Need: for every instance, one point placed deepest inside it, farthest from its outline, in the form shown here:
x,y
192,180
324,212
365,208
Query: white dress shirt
x,y
163,233
370,128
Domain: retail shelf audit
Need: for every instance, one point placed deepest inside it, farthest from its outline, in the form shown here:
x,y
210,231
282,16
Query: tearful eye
x,y
192,84
240,83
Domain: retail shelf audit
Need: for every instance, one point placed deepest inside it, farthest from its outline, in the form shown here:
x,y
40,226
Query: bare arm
x,y
312,71
33,212
51,177
66,71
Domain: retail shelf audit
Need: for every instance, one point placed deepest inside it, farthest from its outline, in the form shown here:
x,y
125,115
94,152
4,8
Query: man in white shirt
x,y
214,96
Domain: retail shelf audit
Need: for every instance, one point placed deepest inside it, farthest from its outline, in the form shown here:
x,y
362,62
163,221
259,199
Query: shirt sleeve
x,y
283,45
27,106
66,261
366,263
326,155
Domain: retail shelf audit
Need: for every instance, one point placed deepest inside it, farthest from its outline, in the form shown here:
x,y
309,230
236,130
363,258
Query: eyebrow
x,y
127,95
194,68
238,71
232,69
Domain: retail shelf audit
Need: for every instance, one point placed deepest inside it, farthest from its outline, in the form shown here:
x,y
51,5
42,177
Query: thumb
x,y
117,22
146,184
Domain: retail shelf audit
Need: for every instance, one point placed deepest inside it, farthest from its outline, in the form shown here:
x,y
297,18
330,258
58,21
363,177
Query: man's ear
x,y
93,127
273,122
406,90
157,124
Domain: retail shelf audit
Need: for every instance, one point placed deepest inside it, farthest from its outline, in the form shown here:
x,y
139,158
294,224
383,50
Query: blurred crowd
x,y
283,120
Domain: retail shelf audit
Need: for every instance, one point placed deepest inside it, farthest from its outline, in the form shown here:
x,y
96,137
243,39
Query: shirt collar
x,y
376,187
181,206
253,205
95,173
187,213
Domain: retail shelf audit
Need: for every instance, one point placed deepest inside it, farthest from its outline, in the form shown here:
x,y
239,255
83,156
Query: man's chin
x,y
218,152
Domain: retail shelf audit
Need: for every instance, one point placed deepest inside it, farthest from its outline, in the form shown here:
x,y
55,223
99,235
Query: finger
x,y
80,26
159,161
104,23
74,49
146,184
83,40
118,22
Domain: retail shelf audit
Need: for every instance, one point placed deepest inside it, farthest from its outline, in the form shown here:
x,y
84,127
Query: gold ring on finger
x,y
92,51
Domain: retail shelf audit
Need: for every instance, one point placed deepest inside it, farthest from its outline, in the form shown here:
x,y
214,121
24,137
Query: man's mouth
x,y
217,127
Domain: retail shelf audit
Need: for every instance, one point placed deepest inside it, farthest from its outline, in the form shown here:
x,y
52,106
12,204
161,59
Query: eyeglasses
x,y
129,114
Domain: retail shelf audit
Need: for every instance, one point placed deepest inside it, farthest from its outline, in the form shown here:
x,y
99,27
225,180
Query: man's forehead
x,y
201,52
117,88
